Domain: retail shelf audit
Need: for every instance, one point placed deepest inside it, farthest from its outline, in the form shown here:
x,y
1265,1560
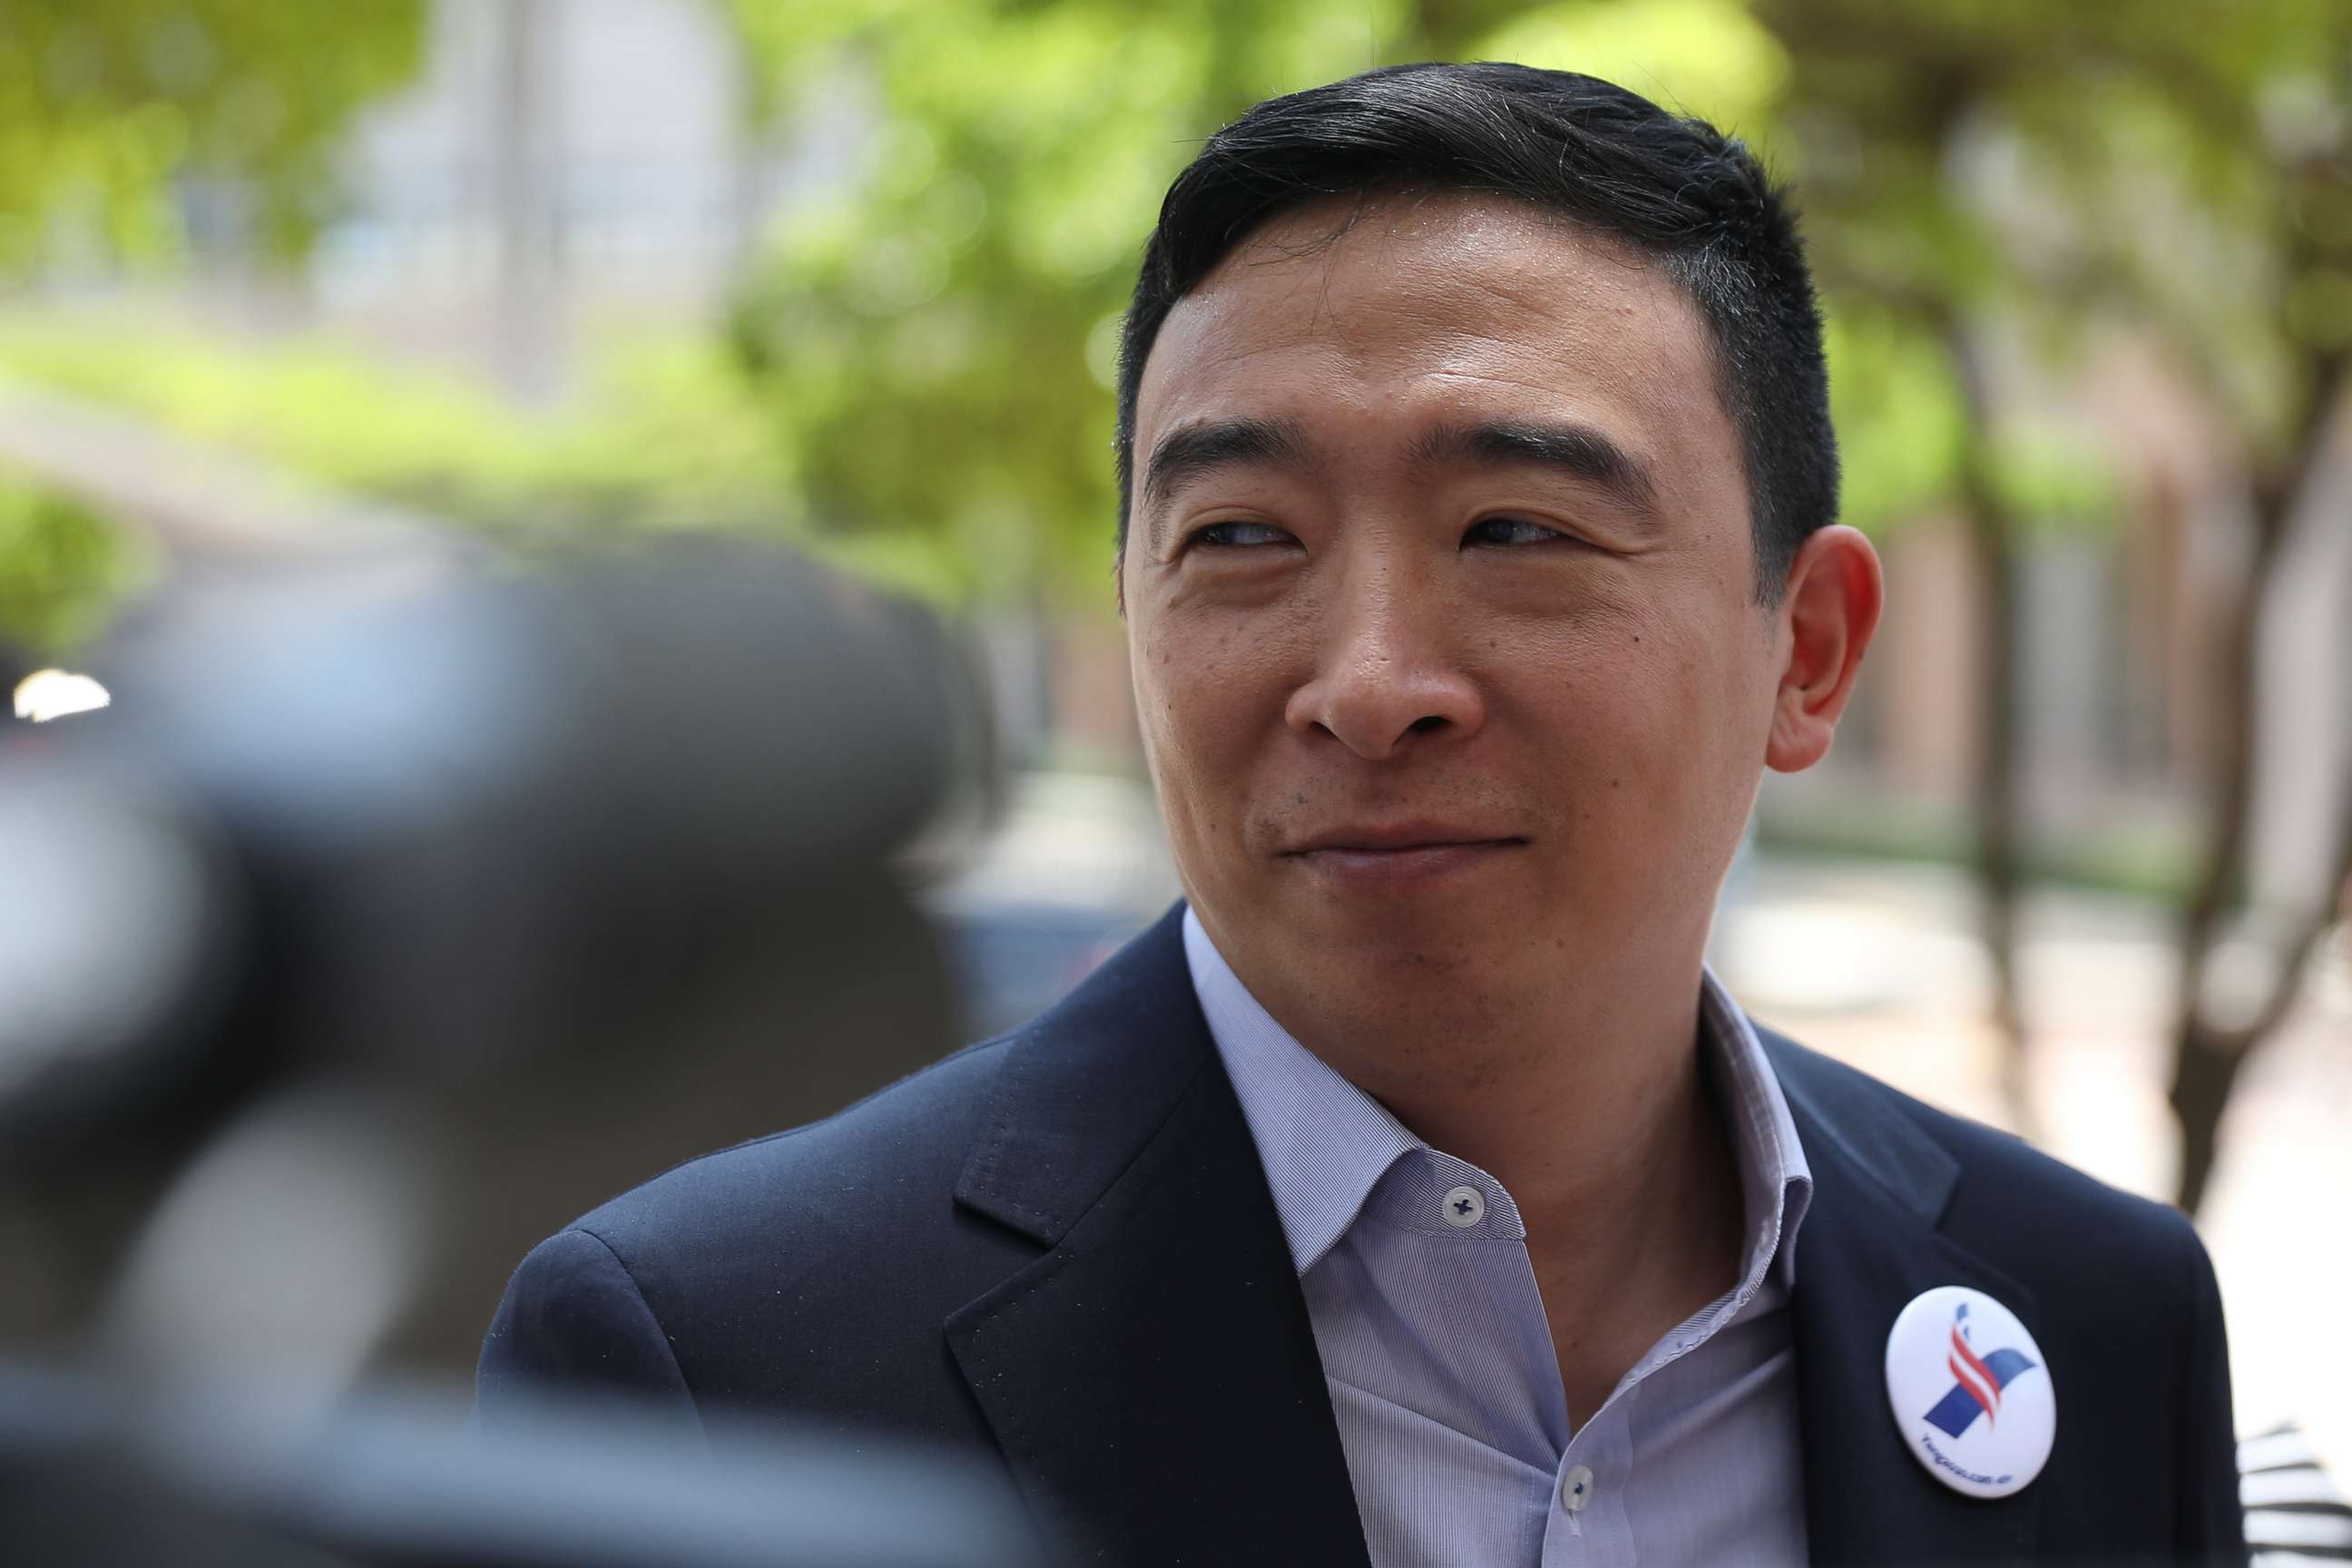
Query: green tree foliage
x,y
107,105
111,112
2038,167
659,435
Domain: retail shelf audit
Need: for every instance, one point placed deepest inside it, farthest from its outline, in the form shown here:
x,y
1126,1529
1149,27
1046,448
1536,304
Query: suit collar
x,y
1159,1353
1854,1118
1085,1086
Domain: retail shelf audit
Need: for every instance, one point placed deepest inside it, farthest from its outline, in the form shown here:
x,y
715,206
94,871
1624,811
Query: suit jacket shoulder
x,y
808,1270
1998,1191
1056,1249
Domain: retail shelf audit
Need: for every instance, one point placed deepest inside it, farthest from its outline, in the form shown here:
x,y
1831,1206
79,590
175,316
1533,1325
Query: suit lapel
x,y
1868,1246
1152,1377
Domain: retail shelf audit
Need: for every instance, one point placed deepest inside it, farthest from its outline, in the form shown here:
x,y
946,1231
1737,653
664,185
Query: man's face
x,y
1441,602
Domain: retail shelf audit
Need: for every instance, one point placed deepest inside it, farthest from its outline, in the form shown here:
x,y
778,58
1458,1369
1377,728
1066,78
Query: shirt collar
x,y
1326,1144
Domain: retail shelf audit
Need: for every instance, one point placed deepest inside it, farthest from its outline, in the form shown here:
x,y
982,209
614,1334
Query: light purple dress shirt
x,y
1439,1356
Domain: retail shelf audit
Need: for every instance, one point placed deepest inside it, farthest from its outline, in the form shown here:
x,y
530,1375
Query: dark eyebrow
x,y
1184,454
1578,450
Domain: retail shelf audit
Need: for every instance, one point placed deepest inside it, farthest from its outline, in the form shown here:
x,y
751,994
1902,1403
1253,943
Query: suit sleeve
x,y
2212,1522
573,1325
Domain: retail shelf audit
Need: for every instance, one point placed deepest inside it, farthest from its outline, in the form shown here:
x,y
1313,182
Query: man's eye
x,y
1509,531
1230,535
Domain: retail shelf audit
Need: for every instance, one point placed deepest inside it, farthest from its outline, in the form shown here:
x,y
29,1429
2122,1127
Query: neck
x,y
1574,1088
1591,1107
1585,1097
1609,1118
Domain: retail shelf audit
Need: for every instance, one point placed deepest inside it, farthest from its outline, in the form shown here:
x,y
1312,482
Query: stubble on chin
x,y
1401,1011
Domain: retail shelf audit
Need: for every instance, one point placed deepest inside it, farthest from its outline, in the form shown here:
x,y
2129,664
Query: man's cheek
x,y
1216,706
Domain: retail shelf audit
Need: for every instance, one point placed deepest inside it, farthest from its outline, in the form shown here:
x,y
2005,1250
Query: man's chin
x,y
1452,925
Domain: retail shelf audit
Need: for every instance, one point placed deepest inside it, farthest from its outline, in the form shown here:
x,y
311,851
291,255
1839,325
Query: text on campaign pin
x,y
1970,1392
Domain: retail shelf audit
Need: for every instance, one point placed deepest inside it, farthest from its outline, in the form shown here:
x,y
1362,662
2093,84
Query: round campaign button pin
x,y
1970,1392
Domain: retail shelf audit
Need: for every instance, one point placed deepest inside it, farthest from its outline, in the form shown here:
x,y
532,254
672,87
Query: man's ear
x,y
1829,611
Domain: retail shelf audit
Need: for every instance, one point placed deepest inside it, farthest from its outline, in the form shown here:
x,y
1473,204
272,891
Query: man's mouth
x,y
1399,838
1372,856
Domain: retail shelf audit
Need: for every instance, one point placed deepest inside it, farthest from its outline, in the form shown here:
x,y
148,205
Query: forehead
x,y
1415,309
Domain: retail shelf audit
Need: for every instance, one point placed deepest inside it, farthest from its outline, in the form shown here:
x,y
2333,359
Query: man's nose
x,y
1386,678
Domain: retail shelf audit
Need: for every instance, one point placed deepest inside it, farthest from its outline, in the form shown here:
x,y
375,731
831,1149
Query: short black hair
x,y
1671,186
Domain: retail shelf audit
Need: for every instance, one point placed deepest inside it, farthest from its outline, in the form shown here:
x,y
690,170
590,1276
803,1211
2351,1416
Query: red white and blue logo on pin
x,y
1970,1392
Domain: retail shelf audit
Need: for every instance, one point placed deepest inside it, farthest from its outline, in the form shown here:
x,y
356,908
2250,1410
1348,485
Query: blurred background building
x,y
534,273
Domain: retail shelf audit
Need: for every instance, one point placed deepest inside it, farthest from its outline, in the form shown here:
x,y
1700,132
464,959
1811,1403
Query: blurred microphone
x,y
573,872
379,927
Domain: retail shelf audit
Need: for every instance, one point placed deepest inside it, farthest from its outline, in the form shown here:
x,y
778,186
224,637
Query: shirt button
x,y
1576,1489
1463,1207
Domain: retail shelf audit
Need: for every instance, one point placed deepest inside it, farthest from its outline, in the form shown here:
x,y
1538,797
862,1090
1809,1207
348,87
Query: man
x,y
1411,1194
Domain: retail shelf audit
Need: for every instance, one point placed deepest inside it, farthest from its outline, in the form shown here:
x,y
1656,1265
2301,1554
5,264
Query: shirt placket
x,y
1585,1521
1588,1525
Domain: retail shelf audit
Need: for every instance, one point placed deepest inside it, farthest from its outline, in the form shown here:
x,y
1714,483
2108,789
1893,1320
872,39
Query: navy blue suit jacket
x,y
1057,1248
